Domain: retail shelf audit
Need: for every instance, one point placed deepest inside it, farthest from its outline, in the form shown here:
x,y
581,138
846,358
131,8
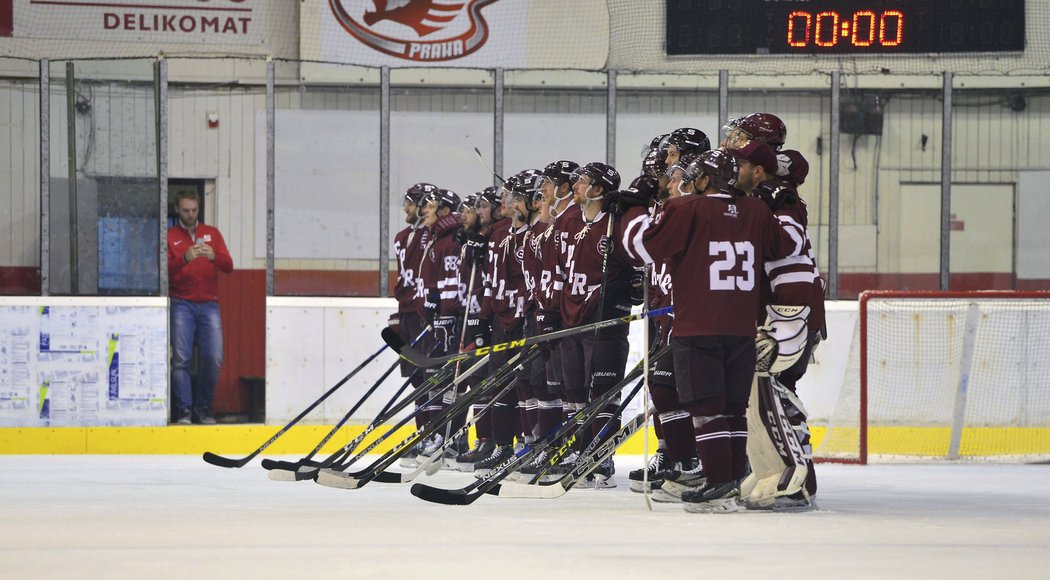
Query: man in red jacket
x,y
196,254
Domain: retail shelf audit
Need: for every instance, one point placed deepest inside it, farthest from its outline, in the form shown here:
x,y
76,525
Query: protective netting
x,y
623,35
973,367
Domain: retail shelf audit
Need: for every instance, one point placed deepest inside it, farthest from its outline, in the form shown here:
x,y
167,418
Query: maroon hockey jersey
x,y
439,268
409,250
717,246
505,284
795,279
532,264
583,263
555,245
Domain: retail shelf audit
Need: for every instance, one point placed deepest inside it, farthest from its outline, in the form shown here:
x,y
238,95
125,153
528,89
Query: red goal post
x,y
945,375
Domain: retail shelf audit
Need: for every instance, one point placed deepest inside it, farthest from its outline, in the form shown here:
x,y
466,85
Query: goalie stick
x,y
292,466
334,478
551,443
419,359
221,461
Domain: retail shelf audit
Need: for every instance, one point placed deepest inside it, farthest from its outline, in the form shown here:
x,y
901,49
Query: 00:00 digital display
x,y
844,27
865,28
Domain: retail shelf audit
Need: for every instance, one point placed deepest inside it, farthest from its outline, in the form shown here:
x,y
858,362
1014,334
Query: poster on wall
x,y
460,33
92,364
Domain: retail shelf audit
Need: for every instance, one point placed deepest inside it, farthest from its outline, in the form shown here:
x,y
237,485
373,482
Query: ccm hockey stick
x,y
556,444
335,478
221,461
419,359
292,466
343,457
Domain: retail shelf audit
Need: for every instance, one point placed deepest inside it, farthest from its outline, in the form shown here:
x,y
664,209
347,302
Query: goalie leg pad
x,y
772,445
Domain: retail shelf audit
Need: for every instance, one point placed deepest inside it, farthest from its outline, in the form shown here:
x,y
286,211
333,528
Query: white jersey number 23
x,y
728,254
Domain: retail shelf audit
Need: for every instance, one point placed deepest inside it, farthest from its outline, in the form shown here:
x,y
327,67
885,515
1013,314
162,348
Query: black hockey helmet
x,y
689,140
720,166
600,174
560,172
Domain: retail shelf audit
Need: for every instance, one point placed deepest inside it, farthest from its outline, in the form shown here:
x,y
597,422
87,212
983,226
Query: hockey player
x,y
686,141
408,322
438,282
505,300
676,457
478,223
598,279
547,242
717,243
779,448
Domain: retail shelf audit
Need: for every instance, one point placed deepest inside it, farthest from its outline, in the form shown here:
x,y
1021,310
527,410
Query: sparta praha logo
x,y
416,30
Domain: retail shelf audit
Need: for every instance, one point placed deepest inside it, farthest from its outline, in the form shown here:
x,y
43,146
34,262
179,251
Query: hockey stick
x,y
287,470
337,458
338,479
342,458
481,158
389,477
596,452
334,477
291,466
419,359
550,443
221,461
558,488
590,459
605,274
645,396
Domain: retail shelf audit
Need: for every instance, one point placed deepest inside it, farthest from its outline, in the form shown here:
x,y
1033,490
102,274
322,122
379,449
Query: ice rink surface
x,y
178,517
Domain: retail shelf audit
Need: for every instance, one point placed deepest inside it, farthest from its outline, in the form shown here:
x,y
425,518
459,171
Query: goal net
x,y
945,375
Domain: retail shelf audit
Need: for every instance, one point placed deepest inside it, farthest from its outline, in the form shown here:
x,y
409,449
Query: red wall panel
x,y
242,304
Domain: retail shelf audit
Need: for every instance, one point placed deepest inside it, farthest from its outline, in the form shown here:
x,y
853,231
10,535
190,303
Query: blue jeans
x,y
195,322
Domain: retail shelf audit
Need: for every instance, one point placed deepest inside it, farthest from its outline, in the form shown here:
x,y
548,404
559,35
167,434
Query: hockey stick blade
x,y
336,479
281,475
443,496
220,461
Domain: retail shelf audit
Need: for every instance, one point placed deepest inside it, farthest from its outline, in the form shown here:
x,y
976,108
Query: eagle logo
x,y
416,30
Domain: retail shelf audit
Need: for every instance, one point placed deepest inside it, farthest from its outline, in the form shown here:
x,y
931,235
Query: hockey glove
x,y
548,321
394,322
430,305
445,333
479,332
638,286
478,249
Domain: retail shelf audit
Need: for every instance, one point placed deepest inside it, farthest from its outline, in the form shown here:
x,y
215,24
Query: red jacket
x,y
198,280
